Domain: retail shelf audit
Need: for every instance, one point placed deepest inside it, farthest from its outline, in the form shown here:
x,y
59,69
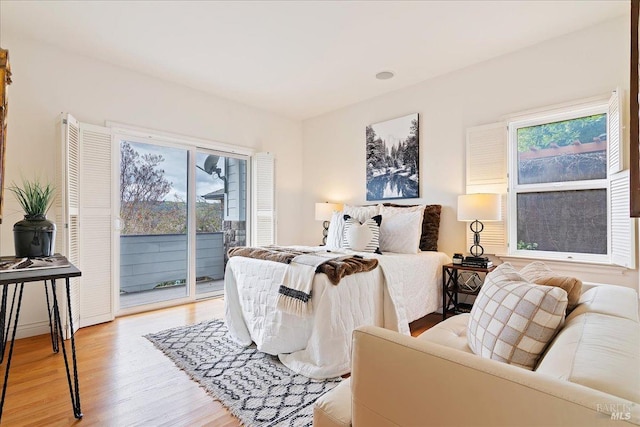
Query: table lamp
x,y
324,212
476,208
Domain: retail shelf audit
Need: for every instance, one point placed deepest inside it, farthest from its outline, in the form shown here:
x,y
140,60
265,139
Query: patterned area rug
x,y
254,386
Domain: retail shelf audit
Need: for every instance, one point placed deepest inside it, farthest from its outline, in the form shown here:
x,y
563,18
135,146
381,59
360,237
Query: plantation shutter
x,y
614,133
263,227
95,238
84,216
622,227
67,214
486,172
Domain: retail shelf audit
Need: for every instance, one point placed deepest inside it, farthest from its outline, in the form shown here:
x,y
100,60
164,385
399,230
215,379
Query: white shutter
x,y
622,225
263,227
486,172
614,133
95,234
67,212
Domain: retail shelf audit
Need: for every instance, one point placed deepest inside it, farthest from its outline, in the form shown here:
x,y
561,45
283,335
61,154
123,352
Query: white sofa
x,y
588,376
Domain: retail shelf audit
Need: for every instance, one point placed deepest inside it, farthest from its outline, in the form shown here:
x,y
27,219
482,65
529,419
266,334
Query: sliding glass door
x,y
153,233
181,208
221,206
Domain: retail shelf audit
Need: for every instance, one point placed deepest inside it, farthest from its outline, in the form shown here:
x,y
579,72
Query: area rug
x,y
256,387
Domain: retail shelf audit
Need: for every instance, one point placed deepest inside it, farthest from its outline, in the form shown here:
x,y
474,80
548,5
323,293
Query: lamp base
x,y
325,232
476,227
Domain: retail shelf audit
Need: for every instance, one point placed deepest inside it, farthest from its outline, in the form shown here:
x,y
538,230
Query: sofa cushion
x,y
539,273
608,299
334,407
513,321
598,351
451,333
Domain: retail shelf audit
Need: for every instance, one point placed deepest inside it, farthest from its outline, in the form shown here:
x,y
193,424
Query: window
x,y
559,183
565,193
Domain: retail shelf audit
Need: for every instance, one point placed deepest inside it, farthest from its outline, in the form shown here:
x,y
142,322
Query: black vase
x,y
34,236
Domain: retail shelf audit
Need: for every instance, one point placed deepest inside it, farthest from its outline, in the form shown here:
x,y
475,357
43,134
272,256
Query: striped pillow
x,y
363,237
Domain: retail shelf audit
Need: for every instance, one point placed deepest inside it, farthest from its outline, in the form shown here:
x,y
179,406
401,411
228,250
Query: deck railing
x,y
148,260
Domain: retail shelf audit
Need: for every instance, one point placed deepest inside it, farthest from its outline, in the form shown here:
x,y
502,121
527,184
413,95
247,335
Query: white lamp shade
x,y
324,211
480,206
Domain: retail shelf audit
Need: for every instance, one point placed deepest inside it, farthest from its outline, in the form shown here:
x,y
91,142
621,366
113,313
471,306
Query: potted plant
x,y
35,235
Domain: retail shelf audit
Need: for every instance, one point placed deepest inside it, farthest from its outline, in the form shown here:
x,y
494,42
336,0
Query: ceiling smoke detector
x,y
384,75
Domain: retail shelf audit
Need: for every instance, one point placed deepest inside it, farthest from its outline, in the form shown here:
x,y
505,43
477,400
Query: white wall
x,y
48,81
576,66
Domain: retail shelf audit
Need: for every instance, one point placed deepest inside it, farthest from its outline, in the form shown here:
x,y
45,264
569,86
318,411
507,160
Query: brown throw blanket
x,y
335,269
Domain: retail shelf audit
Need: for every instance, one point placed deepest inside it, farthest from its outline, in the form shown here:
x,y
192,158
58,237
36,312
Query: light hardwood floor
x,y
124,379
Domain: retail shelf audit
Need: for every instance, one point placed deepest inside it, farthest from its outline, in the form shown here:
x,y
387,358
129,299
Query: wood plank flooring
x,y
124,380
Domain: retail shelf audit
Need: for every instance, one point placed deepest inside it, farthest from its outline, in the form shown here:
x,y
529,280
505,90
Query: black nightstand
x,y
452,286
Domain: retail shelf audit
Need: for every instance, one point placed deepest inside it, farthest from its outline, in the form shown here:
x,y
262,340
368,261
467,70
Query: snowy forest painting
x,y
392,159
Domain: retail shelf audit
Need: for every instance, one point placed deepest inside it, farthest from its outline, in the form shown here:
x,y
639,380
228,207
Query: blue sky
x,y
175,169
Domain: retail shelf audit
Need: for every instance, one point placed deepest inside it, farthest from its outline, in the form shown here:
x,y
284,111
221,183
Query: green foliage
x,y
583,129
527,246
34,197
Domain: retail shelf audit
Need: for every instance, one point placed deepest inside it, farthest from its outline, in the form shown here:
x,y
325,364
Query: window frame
x,y
600,106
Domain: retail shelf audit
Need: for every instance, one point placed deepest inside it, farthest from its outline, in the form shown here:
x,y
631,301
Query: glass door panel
x,y
153,211
221,207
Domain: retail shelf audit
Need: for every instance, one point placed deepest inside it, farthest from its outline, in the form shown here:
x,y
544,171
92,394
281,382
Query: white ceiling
x,y
298,58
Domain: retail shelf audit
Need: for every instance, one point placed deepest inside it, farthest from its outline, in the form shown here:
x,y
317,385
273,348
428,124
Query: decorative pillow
x,y
362,237
571,285
361,213
539,273
535,270
400,230
513,321
430,226
335,232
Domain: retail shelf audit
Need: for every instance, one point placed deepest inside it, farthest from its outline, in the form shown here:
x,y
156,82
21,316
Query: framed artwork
x,y
634,132
5,80
393,148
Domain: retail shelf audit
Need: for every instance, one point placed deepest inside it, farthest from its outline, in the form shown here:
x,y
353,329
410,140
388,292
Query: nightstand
x,y
458,279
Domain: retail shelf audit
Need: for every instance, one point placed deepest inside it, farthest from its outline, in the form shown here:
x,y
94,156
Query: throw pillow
x,y
535,270
430,226
361,213
571,285
400,230
362,237
539,273
512,320
335,232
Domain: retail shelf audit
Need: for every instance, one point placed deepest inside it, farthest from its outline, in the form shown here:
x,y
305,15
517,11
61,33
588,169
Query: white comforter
x,y
404,288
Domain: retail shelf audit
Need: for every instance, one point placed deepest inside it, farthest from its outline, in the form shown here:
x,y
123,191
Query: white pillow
x,y
362,237
335,232
401,229
361,213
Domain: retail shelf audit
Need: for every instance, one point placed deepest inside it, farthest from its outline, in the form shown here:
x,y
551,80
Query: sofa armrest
x,y
398,380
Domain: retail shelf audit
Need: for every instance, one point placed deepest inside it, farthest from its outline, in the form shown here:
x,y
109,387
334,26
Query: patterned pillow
x,y
361,213
512,320
363,237
335,232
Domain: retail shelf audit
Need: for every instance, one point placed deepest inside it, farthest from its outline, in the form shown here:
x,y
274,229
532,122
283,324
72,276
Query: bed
x,y
403,288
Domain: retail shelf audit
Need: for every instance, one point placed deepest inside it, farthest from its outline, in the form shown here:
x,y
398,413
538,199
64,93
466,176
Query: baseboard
x,y
31,329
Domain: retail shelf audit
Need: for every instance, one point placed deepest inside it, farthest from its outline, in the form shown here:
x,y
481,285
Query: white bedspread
x,y
404,288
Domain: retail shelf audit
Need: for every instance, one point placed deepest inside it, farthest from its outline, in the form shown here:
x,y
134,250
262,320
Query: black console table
x,y
18,280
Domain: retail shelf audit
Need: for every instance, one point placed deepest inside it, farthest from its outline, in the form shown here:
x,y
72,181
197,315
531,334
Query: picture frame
x,y
5,80
634,114
393,159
